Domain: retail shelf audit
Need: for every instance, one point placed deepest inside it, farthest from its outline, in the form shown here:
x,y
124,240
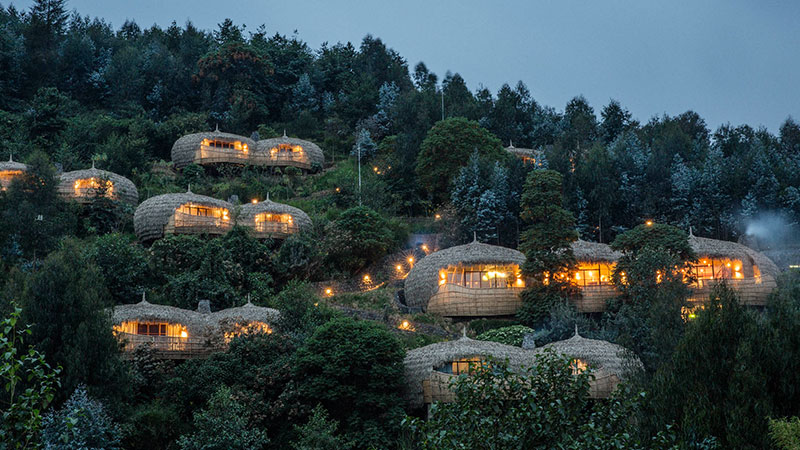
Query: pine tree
x,y
468,186
489,216
304,96
682,178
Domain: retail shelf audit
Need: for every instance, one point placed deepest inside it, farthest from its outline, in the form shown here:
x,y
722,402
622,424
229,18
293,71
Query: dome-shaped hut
x,y
84,185
748,271
9,170
285,152
232,322
596,263
472,280
173,332
186,213
430,369
611,363
214,147
269,219
181,333
527,155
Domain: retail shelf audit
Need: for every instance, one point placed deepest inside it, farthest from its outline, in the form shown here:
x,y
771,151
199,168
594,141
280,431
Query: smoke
x,y
771,230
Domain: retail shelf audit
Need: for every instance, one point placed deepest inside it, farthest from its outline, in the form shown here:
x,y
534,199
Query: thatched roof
x,y
421,362
124,189
196,322
423,279
604,355
155,212
249,211
313,151
526,152
715,248
594,252
12,165
184,149
244,314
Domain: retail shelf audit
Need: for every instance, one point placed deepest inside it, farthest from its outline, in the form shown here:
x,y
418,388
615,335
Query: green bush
x,y
508,335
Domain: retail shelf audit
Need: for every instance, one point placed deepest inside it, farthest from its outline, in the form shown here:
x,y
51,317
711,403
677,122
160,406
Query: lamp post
x,y
358,147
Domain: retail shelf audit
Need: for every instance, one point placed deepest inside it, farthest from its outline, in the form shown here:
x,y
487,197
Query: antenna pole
x,y
358,146
442,101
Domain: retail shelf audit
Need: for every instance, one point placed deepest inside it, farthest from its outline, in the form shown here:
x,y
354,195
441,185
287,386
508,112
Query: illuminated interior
x,y
185,215
146,328
6,176
483,276
250,328
579,366
90,186
225,145
719,269
270,222
593,274
288,152
462,366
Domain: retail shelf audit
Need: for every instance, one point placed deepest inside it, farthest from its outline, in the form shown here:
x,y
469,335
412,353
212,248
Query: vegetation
x,y
77,90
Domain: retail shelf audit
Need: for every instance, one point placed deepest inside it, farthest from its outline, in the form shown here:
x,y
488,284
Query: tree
x,y
123,264
319,433
65,301
545,406
359,236
546,241
785,433
223,425
81,423
616,119
29,385
651,275
446,148
354,370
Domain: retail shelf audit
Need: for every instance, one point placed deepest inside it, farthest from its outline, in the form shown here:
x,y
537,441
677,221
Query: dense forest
x,y
406,152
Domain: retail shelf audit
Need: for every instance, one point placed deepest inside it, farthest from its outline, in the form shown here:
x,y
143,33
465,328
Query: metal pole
x,y
358,146
442,102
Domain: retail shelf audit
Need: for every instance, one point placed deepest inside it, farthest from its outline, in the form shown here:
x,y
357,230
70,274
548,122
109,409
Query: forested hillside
x,y
415,162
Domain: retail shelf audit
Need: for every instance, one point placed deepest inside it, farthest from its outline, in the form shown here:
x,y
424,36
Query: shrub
x,y
508,335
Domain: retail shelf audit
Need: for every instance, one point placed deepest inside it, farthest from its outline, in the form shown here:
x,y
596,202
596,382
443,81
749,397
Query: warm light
x,y
329,292
424,247
728,264
338,189
406,326
184,334
520,282
366,279
577,275
399,268
649,223
442,275
375,169
254,201
411,259
437,217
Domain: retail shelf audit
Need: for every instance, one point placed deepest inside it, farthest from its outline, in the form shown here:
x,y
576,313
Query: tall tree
x,y
546,241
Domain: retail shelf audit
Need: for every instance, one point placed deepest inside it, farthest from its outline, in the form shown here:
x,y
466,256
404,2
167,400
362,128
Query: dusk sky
x,y
730,60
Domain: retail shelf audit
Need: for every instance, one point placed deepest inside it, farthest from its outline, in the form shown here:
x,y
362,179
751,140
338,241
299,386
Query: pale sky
x,y
731,61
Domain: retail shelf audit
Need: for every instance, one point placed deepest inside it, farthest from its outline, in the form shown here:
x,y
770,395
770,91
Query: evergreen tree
x,y
223,425
80,423
546,241
365,145
682,189
616,119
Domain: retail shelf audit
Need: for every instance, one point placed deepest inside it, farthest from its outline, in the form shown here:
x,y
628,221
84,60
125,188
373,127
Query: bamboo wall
x,y
181,223
457,301
593,298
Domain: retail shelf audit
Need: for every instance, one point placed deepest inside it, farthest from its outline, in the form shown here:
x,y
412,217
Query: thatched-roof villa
x,y
596,263
472,280
268,219
527,155
186,213
180,333
748,271
291,152
216,147
607,360
84,185
430,369
9,170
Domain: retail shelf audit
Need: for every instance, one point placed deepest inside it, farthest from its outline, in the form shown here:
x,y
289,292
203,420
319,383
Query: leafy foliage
x,y
80,423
